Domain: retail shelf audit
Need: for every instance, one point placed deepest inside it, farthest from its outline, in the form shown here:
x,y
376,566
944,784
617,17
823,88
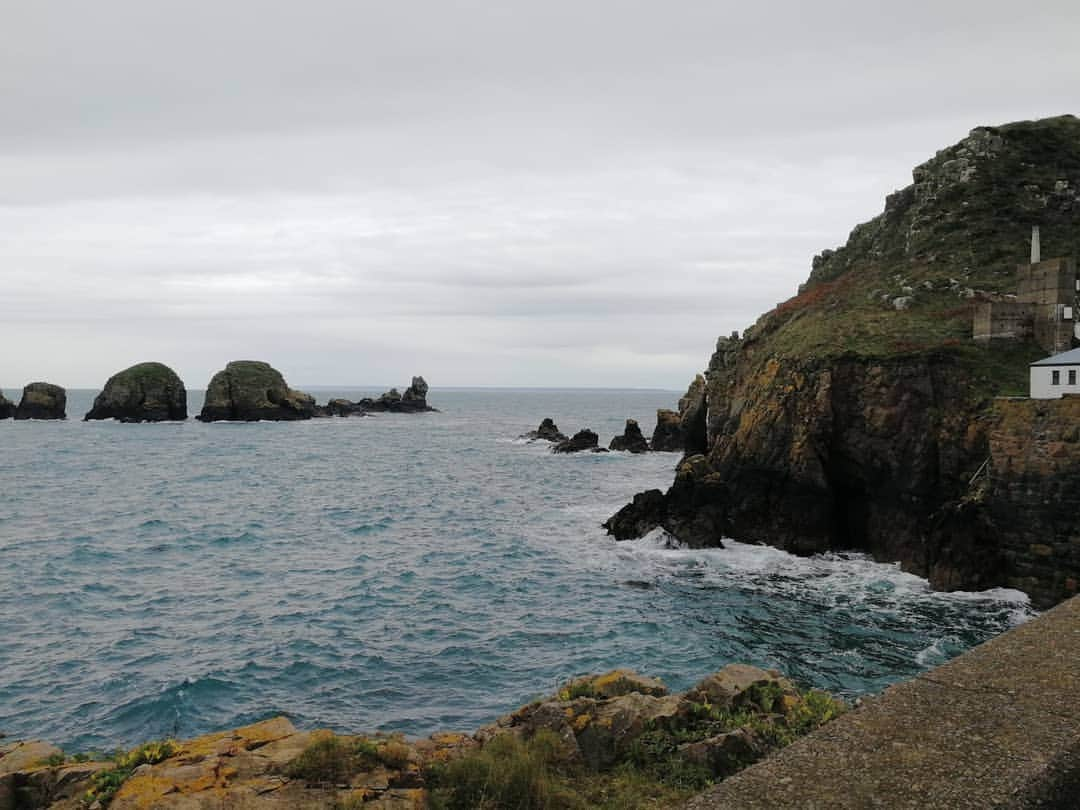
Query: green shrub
x,y
105,784
327,760
506,773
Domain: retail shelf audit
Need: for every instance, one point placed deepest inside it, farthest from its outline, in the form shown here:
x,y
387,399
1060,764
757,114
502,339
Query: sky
x,y
486,193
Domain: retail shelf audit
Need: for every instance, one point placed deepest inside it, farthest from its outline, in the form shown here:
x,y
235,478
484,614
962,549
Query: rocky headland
x,y
42,400
613,740
861,415
250,391
146,392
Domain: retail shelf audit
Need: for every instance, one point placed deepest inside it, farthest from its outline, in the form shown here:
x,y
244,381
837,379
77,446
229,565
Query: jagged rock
x,y
339,407
7,407
693,412
248,391
417,391
582,440
41,400
631,440
147,392
548,432
667,436
414,400
638,518
725,754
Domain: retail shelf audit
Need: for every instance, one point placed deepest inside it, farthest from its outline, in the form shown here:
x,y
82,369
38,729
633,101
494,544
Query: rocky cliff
x,y
854,415
42,400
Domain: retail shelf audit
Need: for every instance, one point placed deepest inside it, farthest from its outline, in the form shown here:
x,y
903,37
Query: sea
x,y
404,573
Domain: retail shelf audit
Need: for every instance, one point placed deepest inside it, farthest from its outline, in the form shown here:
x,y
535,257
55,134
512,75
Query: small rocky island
x,y
42,400
252,391
414,400
612,740
146,392
7,407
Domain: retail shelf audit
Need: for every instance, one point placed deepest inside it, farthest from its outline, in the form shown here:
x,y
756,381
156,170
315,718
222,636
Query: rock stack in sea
x,y
582,440
249,391
7,407
42,400
147,392
667,437
548,431
414,400
631,440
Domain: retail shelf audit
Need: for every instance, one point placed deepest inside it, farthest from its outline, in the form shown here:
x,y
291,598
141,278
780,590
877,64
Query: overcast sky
x,y
488,193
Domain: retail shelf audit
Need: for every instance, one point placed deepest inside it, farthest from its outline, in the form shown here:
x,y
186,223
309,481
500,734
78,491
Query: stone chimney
x,y
1036,248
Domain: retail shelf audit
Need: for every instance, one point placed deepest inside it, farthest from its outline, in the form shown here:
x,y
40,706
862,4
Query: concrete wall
x,y
1003,320
1042,383
1050,282
997,727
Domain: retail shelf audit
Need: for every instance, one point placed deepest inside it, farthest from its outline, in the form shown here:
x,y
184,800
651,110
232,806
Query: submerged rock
x,y
249,391
582,440
548,431
42,400
631,441
7,407
667,436
147,392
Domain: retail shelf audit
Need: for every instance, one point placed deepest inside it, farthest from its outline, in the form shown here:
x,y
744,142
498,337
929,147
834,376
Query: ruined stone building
x,y
1044,308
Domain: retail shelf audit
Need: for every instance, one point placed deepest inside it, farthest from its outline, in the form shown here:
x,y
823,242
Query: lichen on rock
x,y
42,400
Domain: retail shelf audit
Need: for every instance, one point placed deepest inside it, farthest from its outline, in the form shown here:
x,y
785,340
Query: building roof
x,y
1069,358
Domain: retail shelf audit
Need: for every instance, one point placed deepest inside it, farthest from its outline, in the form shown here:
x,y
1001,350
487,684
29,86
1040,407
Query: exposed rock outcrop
x,y
667,436
631,440
548,431
147,392
42,400
7,407
582,440
619,719
839,422
414,400
249,391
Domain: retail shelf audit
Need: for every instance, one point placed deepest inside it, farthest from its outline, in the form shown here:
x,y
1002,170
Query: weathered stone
x,y
582,440
725,754
733,685
548,431
41,400
7,407
249,391
667,436
631,440
639,517
147,392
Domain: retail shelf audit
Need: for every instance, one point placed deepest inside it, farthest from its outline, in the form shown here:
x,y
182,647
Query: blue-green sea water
x,y
404,572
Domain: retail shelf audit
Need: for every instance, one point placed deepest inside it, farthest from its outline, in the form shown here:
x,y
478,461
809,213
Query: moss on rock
x,y
146,392
251,391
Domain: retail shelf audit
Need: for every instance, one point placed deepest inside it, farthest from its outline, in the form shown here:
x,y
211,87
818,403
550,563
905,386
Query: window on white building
x,y
1055,378
1072,376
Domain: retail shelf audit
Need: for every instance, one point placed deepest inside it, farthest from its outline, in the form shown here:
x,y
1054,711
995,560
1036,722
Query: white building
x,y
1057,375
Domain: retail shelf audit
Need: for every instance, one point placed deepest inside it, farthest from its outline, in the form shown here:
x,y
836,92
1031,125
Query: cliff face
x,y
855,415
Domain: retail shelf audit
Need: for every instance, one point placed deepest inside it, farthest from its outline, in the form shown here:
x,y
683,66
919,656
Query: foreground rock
x,y
582,440
250,391
7,407
548,431
585,738
631,440
414,400
147,392
42,400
